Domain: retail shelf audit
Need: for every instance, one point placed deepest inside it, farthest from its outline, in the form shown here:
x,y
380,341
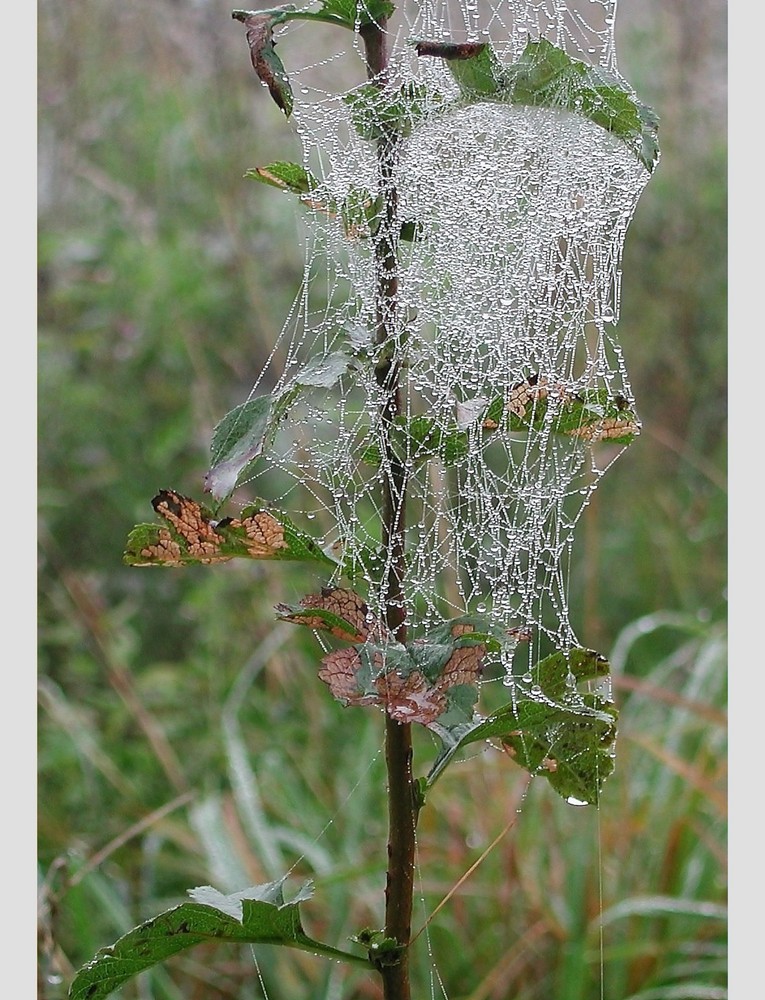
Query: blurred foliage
x,y
183,736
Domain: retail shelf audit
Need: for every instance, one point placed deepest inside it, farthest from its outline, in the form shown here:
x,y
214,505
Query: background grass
x,y
183,737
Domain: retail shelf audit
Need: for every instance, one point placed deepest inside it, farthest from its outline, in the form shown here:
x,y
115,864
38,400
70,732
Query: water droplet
x,y
576,802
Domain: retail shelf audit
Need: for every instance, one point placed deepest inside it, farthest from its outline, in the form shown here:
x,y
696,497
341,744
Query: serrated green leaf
x,y
546,76
549,728
254,916
554,673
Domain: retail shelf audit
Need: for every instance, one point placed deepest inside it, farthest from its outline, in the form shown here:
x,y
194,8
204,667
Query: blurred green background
x,y
183,737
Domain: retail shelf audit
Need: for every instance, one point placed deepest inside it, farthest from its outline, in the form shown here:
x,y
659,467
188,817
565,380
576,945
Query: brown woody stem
x,y
402,816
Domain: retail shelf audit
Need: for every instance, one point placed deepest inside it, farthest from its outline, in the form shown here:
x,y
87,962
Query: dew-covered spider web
x,y
505,207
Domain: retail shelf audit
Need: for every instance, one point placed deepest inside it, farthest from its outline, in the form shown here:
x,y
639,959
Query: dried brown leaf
x,y
410,699
338,670
464,666
265,62
344,603
606,429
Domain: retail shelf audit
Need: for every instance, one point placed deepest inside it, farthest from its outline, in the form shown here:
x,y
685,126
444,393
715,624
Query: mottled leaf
x,y
339,670
191,536
336,610
410,697
432,681
594,415
591,414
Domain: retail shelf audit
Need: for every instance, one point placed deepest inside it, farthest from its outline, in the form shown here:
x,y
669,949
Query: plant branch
x,y
399,887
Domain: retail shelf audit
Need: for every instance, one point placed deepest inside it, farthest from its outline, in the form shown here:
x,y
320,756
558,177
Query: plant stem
x,y
399,887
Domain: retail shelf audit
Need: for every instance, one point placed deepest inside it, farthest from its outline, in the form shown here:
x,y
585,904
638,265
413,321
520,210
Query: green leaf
x,y
286,176
237,440
324,371
247,430
418,438
546,76
351,14
549,728
190,536
359,210
378,113
258,915
356,13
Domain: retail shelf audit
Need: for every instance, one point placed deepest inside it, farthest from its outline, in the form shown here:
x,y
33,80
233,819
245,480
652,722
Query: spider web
x,y
514,392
